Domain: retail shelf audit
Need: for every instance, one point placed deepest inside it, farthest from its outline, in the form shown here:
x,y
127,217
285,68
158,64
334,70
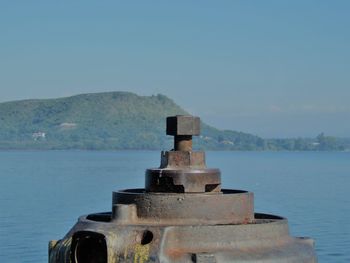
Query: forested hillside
x,y
121,120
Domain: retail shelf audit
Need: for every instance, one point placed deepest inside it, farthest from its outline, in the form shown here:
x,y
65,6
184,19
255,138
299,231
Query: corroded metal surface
x,y
182,215
183,181
235,207
265,240
182,128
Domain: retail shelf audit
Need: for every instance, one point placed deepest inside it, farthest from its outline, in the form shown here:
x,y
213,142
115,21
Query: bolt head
x,y
182,125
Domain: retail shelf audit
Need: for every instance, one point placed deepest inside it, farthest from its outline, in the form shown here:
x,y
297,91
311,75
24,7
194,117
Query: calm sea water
x,y
42,193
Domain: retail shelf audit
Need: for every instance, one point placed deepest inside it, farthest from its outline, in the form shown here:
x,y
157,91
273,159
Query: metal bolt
x,y
183,127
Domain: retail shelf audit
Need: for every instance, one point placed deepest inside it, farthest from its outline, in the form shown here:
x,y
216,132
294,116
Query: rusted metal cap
x,y
183,125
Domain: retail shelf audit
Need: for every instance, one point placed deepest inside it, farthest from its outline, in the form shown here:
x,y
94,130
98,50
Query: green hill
x,y
120,120
112,120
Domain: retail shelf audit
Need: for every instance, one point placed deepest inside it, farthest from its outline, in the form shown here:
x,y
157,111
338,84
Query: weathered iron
x,y
182,215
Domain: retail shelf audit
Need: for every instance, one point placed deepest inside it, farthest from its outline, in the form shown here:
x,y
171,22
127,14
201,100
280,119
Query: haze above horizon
x,y
271,68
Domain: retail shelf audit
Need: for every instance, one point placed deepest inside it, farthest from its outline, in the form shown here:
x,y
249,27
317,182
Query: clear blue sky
x,y
271,68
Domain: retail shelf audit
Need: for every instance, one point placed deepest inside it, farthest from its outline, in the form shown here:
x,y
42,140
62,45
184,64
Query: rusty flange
x,y
98,238
228,207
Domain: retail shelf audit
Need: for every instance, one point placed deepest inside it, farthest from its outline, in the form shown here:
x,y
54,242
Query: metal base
x,y
155,227
264,240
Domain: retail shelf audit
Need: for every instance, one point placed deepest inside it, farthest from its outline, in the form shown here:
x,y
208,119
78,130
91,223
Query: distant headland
x,y
123,120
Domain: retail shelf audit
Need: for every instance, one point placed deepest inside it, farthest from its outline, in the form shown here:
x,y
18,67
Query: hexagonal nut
x,y
179,159
182,125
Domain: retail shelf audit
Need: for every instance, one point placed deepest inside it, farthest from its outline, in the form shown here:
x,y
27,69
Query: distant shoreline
x,y
155,150
126,121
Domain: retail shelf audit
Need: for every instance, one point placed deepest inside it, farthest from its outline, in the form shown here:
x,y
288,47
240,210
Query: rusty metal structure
x,y
182,215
